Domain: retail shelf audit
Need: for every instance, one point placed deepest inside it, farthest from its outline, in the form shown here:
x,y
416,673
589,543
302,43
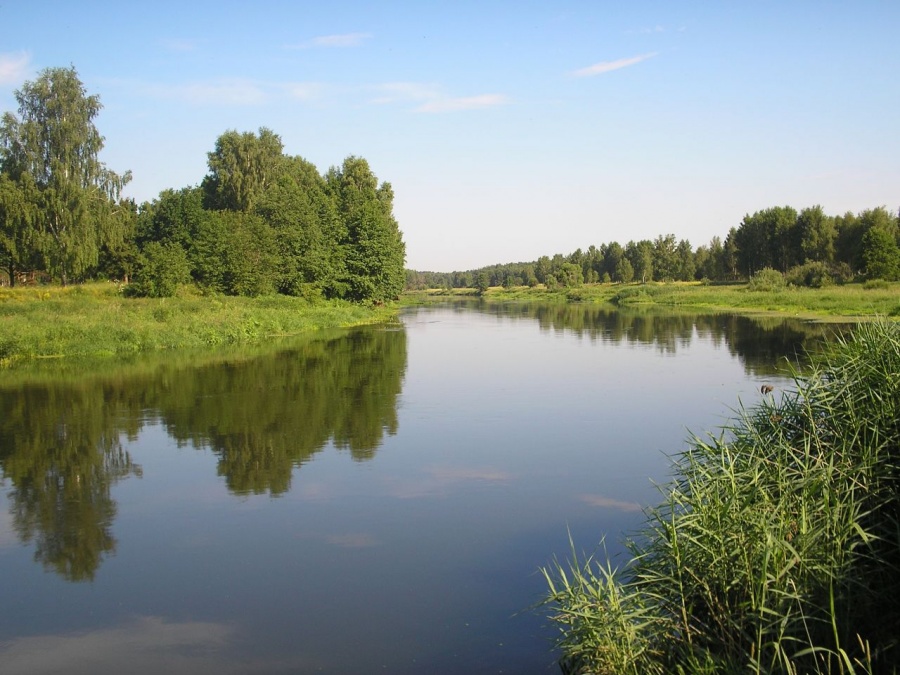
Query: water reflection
x,y
64,440
261,414
760,342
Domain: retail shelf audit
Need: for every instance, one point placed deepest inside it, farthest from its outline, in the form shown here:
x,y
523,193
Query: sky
x,y
508,130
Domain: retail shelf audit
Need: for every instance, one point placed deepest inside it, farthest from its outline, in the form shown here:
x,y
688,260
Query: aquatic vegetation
x,y
776,547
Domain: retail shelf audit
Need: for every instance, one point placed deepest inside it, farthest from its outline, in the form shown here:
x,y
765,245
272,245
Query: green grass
x,y
96,320
846,302
776,548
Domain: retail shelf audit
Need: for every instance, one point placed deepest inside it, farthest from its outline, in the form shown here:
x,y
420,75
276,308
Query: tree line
x,y
260,222
807,248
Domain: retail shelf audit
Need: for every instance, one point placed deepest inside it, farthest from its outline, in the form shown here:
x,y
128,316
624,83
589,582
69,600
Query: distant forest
x,y
260,222
809,248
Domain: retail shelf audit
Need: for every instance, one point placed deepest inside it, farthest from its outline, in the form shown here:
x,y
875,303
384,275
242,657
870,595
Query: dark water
x,y
375,500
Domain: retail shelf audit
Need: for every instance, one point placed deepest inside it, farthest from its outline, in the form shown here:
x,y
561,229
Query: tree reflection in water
x,y
262,414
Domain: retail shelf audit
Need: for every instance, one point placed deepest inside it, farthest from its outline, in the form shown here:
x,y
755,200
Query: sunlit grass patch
x,y
96,319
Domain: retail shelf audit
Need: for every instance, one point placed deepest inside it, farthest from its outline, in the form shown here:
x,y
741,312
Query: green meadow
x,y
95,319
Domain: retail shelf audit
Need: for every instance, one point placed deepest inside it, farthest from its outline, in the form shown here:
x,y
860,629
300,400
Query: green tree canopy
x,y
369,238
241,168
55,142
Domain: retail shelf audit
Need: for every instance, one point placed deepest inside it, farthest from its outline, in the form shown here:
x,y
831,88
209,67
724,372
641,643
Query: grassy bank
x,y
96,320
777,546
850,301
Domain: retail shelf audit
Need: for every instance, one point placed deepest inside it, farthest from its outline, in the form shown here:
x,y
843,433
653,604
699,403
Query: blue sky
x,y
509,130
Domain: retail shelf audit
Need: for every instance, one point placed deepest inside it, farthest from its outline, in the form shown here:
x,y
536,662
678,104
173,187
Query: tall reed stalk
x,y
776,548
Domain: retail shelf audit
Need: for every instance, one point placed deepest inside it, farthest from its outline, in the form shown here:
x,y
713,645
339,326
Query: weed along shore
x,y
776,547
95,319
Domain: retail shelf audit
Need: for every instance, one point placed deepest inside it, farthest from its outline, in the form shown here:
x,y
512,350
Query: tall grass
x,y
97,320
776,548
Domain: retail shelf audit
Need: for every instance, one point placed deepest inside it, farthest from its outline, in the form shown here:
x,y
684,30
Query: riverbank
x,y
91,320
776,546
848,302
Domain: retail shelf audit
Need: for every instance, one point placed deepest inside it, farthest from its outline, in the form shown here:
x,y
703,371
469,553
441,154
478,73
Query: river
x,y
370,500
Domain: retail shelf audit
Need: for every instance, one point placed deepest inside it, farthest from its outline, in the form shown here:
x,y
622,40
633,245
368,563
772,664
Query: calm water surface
x,y
375,500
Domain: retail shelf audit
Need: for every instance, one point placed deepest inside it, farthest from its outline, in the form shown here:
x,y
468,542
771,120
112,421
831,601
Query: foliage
x,y
811,274
766,279
55,143
776,546
369,239
18,215
881,254
241,167
162,269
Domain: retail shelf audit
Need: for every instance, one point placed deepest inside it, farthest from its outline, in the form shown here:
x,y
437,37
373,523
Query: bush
x,y
875,284
161,269
767,279
777,548
811,274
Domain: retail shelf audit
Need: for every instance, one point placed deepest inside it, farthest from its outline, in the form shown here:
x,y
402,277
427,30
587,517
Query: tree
x,y
640,255
624,271
241,167
665,258
817,235
55,142
370,240
881,254
304,219
18,212
569,275
161,269
687,267
482,282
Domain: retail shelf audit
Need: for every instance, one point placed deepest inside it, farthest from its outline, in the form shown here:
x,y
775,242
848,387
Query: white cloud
x,y
394,92
230,92
225,92
14,67
463,103
328,41
303,91
609,66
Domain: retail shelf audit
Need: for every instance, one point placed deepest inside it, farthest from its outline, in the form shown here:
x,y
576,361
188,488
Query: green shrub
x,y
811,274
873,284
161,269
767,279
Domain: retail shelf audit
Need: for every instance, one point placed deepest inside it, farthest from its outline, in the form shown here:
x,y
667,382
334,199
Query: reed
x,y
776,548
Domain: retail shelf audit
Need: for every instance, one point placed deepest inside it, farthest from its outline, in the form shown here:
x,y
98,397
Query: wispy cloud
x,y
441,105
232,92
223,92
401,92
179,45
609,66
14,67
330,41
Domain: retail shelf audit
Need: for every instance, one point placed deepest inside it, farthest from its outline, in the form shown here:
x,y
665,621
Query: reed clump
x,y
776,548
